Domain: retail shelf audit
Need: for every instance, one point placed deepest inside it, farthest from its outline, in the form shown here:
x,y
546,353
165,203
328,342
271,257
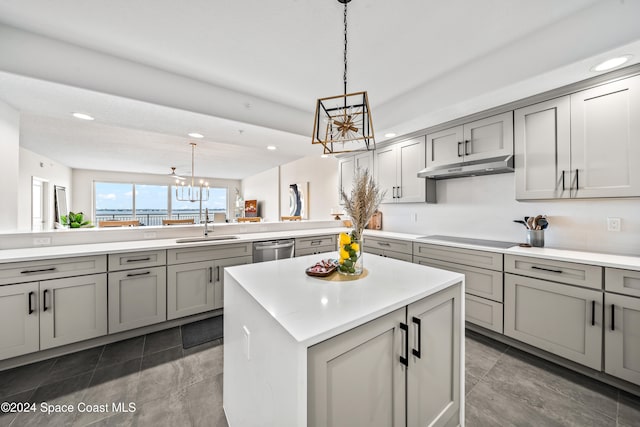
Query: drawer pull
x,y
384,244
316,242
30,297
38,271
405,360
44,299
613,317
217,273
535,267
419,350
210,274
593,313
138,274
139,259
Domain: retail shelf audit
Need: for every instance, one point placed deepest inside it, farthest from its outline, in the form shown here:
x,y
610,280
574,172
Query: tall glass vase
x,y
350,255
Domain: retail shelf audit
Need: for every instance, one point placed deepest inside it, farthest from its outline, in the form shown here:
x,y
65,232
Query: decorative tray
x,y
322,268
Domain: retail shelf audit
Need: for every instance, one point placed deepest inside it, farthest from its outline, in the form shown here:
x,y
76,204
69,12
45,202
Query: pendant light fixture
x,y
342,123
192,192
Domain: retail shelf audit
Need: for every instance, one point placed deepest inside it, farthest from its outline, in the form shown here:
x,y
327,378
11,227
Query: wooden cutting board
x,y
376,221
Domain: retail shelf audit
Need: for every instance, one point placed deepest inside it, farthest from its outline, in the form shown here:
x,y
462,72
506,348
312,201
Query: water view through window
x,y
150,204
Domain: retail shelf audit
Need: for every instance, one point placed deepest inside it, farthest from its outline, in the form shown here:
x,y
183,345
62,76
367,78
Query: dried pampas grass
x,y
363,201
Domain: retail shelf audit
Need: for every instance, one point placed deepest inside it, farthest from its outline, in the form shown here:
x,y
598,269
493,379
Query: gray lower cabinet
x,y
390,248
72,309
315,245
19,316
218,280
358,378
483,312
561,319
197,287
621,337
137,298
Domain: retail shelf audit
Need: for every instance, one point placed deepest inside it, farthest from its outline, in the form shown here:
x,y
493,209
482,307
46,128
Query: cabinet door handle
x,y
384,244
38,271
405,360
535,267
466,145
139,259
417,352
217,273
563,189
593,313
459,144
44,299
577,182
30,297
210,274
613,317
138,274
399,192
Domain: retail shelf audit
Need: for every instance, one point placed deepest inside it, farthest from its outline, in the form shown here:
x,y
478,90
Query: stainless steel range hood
x,y
502,164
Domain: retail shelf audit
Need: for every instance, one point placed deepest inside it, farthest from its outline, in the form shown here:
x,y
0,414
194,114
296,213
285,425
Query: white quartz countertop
x,y
312,309
48,252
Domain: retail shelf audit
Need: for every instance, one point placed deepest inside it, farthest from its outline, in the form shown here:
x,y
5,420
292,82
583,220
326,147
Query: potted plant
x,y
75,220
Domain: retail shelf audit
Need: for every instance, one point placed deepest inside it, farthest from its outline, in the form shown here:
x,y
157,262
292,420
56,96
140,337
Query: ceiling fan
x,y
174,175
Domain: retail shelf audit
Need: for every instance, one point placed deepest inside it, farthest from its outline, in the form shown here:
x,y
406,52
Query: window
x,y
150,203
113,201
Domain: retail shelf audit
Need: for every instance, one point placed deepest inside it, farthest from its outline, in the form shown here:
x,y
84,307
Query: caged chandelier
x,y
192,192
342,123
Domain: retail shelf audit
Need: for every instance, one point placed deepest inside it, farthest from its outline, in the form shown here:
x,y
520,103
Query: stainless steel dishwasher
x,y
273,249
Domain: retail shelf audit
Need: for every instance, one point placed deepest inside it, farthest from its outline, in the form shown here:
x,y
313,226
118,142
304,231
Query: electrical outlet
x,y
613,224
414,217
150,235
42,241
247,342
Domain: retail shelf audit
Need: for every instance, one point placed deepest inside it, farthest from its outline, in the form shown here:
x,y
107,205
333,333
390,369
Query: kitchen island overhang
x,y
274,314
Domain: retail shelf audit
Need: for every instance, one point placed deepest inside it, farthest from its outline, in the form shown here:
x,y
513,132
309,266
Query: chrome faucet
x,y
206,222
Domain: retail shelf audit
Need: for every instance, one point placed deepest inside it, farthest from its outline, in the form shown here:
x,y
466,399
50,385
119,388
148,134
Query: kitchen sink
x,y
205,239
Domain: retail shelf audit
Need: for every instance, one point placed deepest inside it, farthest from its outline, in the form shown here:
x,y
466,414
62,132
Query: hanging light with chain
x,y
343,123
192,192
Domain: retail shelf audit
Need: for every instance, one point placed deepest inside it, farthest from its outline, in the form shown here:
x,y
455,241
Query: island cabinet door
x,y
190,288
218,273
19,329
137,298
357,379
72,309
433,375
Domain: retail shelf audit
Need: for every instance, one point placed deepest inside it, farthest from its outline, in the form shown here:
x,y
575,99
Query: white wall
x,y
322,176
83,179
9,153
38,166
271,188
263,187
485,206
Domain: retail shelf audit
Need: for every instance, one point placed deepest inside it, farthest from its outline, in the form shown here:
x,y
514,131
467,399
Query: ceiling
x,y
247,74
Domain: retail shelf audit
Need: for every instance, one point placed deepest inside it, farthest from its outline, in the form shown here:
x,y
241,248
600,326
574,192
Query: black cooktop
x,y
479,242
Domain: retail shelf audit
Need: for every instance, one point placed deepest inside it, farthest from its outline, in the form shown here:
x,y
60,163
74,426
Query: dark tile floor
x,y
174,387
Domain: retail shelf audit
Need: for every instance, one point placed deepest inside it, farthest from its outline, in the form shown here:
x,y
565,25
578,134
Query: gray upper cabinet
x,y
481,139
347,167
396,168
581,145
542,159
605,140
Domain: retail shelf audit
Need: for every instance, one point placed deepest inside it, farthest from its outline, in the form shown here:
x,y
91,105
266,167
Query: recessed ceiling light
x,y
324,156
196,135
611,63
82,116
389,135
271,147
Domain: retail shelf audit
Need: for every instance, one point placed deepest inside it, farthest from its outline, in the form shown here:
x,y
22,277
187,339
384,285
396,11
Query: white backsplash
x,y
485,207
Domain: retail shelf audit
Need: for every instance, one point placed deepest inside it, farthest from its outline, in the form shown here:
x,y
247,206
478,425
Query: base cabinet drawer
x,y
389,254
471,257
126,261
483,312
561,319
622,281
137,298
33,271
477,281
316,242
382,244
589,276
622,337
